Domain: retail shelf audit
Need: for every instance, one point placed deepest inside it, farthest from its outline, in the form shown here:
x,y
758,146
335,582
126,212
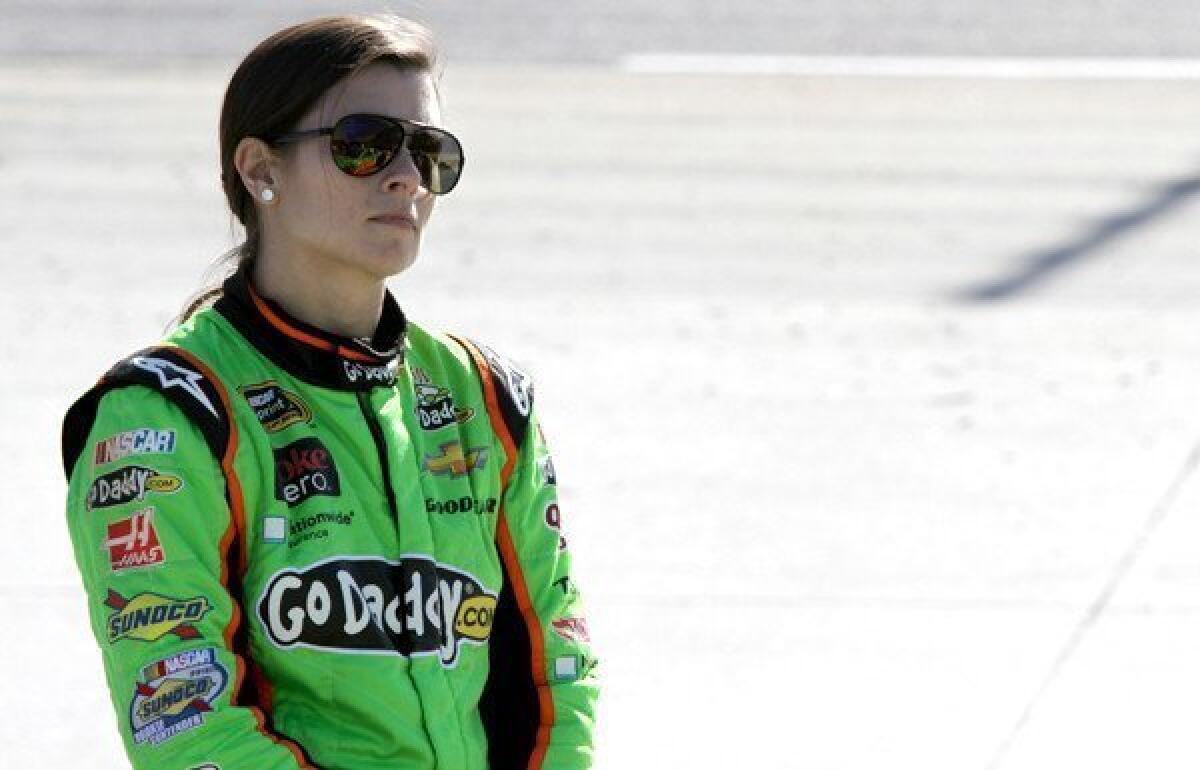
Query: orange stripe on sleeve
x,y
508,553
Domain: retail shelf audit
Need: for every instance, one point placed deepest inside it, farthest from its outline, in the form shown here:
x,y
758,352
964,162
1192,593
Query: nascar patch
x,y
174,694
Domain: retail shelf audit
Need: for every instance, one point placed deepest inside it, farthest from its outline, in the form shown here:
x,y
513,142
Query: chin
x,y
385,264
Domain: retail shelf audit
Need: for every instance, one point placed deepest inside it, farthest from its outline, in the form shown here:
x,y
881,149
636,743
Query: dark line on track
x,y
1089,618
1041,264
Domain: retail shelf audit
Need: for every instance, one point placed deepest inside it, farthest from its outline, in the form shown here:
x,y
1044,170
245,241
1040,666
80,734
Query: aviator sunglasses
x,y
363,145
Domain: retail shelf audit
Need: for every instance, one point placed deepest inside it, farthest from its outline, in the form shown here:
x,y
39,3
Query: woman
x,y
314,534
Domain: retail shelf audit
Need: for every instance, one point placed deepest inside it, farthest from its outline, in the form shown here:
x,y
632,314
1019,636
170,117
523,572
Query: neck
x,y
330,295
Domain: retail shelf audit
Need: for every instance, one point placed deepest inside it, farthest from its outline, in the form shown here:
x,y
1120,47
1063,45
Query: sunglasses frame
x,y
407,127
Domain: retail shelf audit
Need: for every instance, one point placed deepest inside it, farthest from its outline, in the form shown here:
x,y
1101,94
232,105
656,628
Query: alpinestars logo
x,y
412,607
172,375
305,468
435,404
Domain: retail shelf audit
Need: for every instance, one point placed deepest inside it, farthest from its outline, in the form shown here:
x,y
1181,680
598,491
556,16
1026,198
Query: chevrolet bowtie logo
x,y
451,460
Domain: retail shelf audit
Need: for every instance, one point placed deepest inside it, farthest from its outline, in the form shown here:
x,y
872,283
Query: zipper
x,y
364,404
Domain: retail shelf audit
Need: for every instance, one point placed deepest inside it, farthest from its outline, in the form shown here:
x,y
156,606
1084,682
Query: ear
x,y
257,165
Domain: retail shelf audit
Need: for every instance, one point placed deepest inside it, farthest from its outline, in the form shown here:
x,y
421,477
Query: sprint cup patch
x,y
174,694
275,407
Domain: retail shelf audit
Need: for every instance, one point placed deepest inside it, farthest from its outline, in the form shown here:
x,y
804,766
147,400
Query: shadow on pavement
x,y
1042,264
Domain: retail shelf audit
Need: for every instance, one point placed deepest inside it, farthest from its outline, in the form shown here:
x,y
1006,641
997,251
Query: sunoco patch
x,y
174,694
148,617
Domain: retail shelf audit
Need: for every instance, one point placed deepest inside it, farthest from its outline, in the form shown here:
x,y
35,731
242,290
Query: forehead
x,y
383,89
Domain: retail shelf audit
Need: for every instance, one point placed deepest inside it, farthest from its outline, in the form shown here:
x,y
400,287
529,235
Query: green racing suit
x,y
302,550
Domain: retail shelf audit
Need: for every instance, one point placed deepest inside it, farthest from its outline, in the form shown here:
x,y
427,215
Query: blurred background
x,y
865,334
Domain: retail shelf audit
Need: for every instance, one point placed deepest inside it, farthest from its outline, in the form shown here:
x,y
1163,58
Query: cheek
x,y
425,208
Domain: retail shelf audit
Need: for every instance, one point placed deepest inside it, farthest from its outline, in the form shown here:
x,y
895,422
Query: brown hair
x,y
281,79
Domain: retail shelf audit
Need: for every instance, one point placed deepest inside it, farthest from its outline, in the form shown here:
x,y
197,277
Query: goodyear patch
x,y
174,694
148,617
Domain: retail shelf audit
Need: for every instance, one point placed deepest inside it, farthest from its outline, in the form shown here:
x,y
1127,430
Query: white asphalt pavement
x,y
865,393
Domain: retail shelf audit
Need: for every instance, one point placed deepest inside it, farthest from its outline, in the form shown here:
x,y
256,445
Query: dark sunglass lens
x,y
362,145
438,157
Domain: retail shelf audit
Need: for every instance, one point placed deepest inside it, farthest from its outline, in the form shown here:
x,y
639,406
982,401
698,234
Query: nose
x,y
402,173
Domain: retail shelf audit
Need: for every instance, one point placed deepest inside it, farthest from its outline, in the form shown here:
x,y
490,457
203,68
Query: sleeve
x,y
151,529
565,664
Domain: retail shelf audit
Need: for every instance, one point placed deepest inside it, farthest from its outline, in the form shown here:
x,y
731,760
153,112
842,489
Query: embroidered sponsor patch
x,y
566,668
554,522
148,617
571,629
174,694
275,407
461,505
130,484
304,527
453,461
133,442
172,375
356,372
516,382
411,607
546,466
303,469
133,542
274,529
435,405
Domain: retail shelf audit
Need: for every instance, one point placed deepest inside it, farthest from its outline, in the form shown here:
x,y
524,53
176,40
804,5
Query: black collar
x,y
303,350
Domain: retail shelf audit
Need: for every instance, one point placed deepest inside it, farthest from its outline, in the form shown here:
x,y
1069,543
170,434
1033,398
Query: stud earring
x,y
268,195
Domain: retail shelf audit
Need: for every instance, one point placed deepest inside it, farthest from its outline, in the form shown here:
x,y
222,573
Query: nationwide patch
x,y
148,617
435,404
133,542
275,407
305,468
454,462
411,607
174,694
133,442
130,484
302,528
571,629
